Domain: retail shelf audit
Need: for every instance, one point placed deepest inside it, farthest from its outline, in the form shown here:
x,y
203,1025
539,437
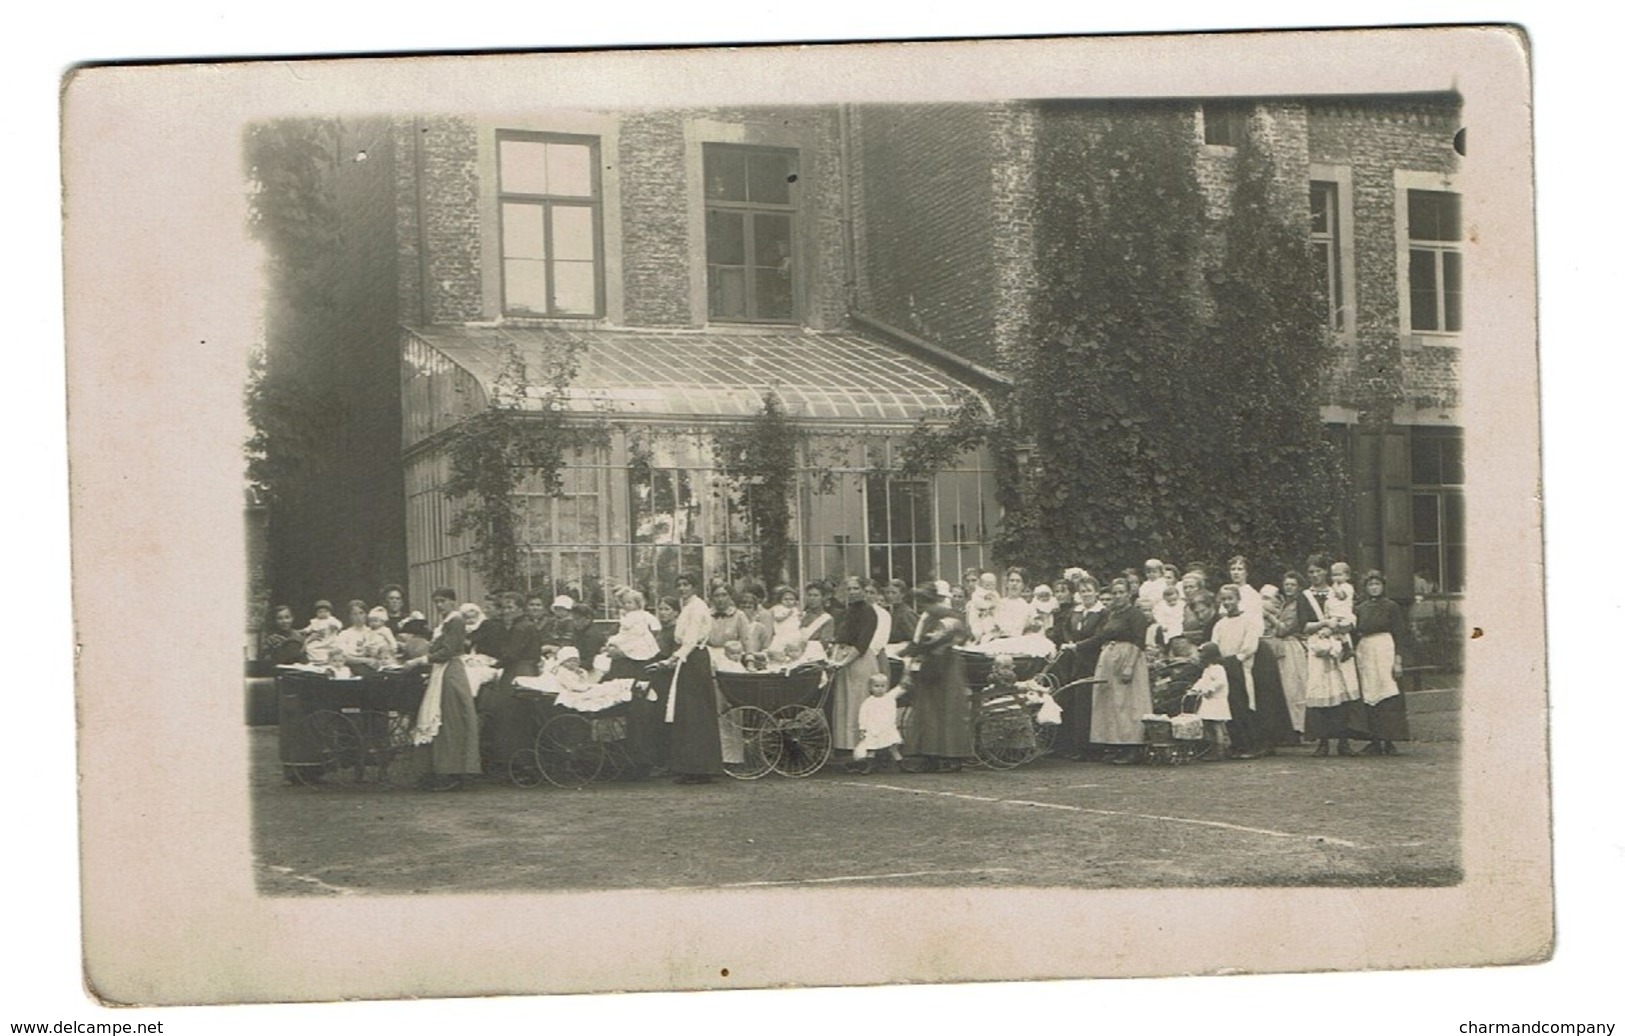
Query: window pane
x,y
874,497
1424,297
725,238
572,233
728,292
569,170
1425,568
1433,216
1452,290
725,174
575,289
1425,518
1455,570
522,233
1455,519
522,166
1320,208
524,285
774,297
1425,470
538,518
920,493
769,179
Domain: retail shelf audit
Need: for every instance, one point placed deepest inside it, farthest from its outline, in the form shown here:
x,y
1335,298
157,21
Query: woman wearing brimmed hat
x,y
941,731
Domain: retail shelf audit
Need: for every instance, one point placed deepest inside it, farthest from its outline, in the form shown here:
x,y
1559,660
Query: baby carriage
x,y
774,721
580,738
1017,725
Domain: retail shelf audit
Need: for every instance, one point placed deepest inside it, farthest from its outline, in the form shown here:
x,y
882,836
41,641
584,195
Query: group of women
x,y
1315,659
1305,661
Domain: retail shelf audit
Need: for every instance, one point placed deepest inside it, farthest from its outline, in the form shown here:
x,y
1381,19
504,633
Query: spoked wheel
x,y
752,735
524,769
566,752
342,747
1004,736
804,740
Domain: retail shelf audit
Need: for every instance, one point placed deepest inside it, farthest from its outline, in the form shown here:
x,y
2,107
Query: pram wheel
x,y
1004,737
566,752
804,740
750,741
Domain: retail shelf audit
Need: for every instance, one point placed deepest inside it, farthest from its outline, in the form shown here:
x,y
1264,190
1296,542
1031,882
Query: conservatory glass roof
x,y
837,376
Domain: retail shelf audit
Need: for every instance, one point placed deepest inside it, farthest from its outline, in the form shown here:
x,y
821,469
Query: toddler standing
x,y
1213,687
877,725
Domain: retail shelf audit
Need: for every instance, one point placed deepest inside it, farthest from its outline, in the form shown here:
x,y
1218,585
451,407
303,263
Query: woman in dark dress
x,y
941,728
1382,638
648,737
691,708
1077,633
1123,695
508,722
298,749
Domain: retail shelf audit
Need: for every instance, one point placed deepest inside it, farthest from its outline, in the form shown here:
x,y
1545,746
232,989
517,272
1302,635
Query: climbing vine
x,y
1170,404
526,433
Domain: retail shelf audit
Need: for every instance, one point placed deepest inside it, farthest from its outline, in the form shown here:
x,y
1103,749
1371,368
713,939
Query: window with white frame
x,y
551,219
750,216
1326,239
1433,266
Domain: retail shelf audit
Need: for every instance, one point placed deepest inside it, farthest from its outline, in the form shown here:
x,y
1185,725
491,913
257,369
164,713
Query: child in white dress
x,y
635,639
877,725
1334,640
1213,687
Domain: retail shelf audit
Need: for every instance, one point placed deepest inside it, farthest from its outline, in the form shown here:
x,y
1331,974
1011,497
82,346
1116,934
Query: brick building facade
x,y
784,242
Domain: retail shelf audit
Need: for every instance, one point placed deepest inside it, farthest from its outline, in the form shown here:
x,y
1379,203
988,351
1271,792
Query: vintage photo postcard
x,y
833,515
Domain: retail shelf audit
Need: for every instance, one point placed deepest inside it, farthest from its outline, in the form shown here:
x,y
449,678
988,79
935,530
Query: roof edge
x,y
947,361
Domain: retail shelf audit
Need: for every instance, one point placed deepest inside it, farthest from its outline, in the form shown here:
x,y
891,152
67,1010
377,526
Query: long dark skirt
x,y
941,721
648,736
1342,720
1271,716
1385,721
696,740
1246,733
455,750
507,723
1078,703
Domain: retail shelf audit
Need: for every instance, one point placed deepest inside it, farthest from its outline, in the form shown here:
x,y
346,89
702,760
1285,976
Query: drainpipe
x,y
848,235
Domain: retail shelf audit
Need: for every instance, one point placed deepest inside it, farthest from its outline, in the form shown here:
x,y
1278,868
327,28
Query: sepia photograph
x,y
688,519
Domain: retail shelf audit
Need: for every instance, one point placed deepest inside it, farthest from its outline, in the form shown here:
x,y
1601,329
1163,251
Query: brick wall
x,y
656,251
1374,138
1014,132
927,222
437,194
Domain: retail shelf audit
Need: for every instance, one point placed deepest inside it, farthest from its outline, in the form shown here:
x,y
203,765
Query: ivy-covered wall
x,y
1172,386
325,395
